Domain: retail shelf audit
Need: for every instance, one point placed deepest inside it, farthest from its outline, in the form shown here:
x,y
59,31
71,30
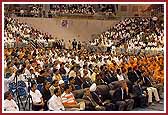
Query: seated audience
x,y
69,100
55,84
150,89
55,102
37,98
91,105
46,94
9,103
122,98
140,95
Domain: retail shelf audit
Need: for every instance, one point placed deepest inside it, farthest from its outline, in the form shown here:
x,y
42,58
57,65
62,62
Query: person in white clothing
x,y
10,79
37,98
150,89
72,72
55,102
9,103
119,75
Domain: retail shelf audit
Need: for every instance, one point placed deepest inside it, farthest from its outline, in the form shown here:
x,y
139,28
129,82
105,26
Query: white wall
x,y
81,29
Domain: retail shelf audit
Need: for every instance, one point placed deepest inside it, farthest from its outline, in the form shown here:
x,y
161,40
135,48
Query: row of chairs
x,y
22,89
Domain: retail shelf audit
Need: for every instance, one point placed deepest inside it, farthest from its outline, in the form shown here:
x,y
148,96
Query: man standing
x,y
79,45
74,44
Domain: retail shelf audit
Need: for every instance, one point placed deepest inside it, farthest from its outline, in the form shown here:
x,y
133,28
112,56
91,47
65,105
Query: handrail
x,y
98,15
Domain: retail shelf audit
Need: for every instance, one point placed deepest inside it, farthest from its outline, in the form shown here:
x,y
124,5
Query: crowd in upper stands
x,y
55,9
73,9
17,33
134,33
57,72
90,9
31,10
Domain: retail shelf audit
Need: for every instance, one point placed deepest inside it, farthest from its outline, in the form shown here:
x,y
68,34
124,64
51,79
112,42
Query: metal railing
x,y
99,16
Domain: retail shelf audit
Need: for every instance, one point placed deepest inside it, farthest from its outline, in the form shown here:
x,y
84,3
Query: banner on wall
x,y
64,23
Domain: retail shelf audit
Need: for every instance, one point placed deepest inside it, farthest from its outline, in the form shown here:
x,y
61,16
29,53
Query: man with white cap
x,y
93,87
99,100
61,85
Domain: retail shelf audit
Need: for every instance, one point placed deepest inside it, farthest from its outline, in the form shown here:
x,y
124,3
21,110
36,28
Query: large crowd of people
x,y
80,69
61,9
26,10
84,9
133,33
73,9
52,74
17,34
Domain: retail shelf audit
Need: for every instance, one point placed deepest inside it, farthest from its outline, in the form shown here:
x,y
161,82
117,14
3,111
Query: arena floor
x,y
156,107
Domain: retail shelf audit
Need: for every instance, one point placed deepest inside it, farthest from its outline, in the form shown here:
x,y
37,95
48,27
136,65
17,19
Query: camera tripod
x,y
29,100
19,101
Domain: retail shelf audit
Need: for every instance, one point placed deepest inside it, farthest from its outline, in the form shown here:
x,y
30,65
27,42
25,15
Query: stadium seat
x,y
21,91
65,79
12,87
21,84
39,87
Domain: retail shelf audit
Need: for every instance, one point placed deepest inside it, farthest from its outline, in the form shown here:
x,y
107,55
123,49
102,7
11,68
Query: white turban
x,y
61,82
93,87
